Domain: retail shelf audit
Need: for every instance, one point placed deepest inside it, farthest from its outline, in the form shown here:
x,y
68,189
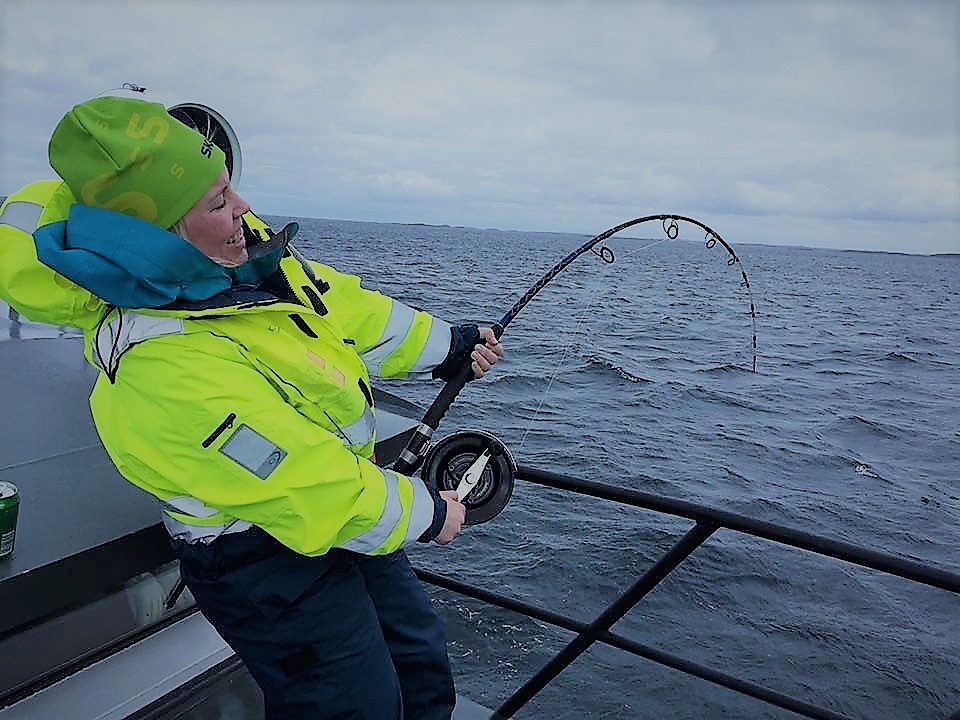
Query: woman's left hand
x,y
486,354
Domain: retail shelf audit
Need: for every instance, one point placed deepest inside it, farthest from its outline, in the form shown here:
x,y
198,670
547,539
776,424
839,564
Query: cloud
x,y
567,116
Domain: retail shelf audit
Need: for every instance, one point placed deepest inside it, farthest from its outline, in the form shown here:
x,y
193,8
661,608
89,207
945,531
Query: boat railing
x,y
707,521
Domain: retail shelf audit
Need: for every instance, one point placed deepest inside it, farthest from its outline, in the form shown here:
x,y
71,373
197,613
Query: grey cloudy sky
x,y
805,123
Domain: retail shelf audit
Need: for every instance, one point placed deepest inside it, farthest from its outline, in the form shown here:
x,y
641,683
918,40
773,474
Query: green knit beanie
x,y
131,156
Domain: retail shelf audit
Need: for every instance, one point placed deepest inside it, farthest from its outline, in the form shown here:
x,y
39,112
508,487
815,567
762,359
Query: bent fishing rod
x,y
412,455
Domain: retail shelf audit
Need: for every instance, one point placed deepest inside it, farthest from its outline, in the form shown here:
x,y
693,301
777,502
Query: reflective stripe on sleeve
x,y
434,350
21,215
369,540
396,331
179,530
400,324
180,509
360,432
421,514
128,328
188,505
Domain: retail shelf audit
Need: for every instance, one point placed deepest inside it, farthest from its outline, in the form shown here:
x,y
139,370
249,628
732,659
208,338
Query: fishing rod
x,y
466,447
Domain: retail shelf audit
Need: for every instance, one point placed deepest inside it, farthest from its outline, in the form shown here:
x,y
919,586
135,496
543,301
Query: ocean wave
x,y
732,400
624,374
857,425
727,368
900,357
836,373
866,471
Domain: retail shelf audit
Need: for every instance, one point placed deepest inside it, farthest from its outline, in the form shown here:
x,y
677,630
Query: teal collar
x,y
131,263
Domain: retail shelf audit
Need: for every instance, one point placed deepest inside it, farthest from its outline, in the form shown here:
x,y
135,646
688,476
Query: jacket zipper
x,y
226,424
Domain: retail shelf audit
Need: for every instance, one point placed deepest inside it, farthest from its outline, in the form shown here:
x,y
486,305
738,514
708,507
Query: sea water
x,y
639,374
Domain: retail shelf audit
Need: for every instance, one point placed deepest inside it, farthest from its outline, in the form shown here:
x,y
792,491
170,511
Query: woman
x,y
235,387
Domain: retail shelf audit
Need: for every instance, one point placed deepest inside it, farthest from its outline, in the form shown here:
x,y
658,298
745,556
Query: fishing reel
x,y
448,462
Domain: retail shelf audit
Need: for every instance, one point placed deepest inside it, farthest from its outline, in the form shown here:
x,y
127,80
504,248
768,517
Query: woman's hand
x,y
456,514
486,354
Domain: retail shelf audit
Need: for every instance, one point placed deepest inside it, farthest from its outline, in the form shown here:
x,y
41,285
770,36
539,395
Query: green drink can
x,y
9,507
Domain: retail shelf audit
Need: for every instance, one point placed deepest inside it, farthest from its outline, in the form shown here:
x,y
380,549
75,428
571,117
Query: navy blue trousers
x,y
342,636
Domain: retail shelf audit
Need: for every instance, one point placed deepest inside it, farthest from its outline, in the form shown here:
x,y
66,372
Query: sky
x,y
833,124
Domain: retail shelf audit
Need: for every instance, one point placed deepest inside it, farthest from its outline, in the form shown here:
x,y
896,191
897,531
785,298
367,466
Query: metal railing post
x,y
620,607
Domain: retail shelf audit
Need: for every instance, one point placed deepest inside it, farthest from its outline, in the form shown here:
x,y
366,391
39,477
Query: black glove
x,y
463,338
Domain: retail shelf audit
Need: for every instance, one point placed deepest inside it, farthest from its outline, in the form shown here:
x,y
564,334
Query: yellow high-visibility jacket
x,y
235,403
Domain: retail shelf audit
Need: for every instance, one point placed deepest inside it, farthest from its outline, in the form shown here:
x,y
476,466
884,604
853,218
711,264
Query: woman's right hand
x,y
456,514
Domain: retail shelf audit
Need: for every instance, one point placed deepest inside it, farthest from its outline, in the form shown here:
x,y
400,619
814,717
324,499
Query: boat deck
x,y
153,670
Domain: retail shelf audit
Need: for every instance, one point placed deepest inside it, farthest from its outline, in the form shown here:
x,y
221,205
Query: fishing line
x,y
607,256
553,376
412,455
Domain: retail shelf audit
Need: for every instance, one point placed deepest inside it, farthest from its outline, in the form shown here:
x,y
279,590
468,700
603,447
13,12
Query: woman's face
x,y
213,225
